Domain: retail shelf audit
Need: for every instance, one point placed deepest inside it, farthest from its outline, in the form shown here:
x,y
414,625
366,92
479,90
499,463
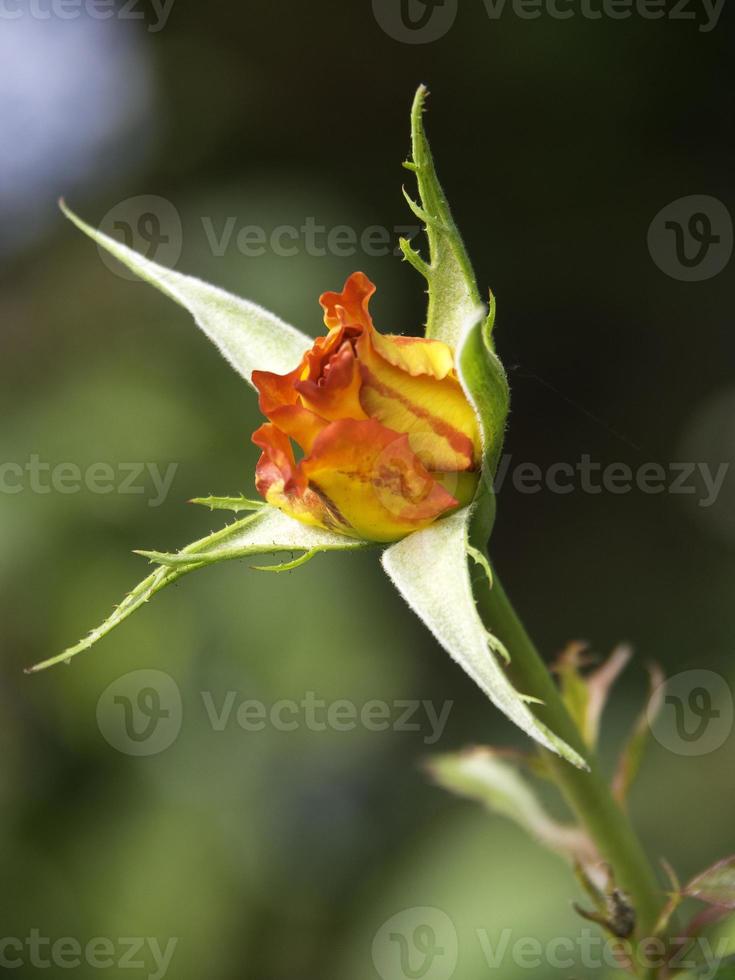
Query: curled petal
x,y
350,307
276,390
415,355
336,394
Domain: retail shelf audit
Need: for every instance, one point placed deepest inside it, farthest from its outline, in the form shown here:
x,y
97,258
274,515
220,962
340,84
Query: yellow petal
x,y
372,480
436,415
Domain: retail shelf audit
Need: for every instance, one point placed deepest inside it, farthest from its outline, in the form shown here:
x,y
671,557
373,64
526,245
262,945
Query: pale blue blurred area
x,y
77,112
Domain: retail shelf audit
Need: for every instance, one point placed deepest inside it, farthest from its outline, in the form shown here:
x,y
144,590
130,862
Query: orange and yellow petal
x,y
299,423
280,481
415,355
390,440
276,390
370,477
436,415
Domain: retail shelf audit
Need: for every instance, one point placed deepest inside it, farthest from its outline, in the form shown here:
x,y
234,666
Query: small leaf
x,y
247,336
599,685
429,568
487,777
267,531
716,885
631,757
674,900
573,686
585,696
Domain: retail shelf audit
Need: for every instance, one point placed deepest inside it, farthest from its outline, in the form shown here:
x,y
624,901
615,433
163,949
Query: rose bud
x,y
389,441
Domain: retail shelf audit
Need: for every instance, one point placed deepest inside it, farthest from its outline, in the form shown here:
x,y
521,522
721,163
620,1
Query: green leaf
x,y
266,532
483,775
716,885
247,336
586,696
572,685
430,570
599,685
456,313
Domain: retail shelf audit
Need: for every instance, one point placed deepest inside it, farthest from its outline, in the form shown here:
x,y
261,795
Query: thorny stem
x,y
587,792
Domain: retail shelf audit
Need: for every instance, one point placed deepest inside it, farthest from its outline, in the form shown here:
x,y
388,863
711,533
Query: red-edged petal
x,y
281,481
276,390
277,467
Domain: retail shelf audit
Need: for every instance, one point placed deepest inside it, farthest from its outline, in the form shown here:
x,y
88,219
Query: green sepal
x,y
265,532
234,504
430,569
248,337
456,313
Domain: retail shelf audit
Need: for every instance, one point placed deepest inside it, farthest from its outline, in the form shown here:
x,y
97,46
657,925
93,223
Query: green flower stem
x,y
588,793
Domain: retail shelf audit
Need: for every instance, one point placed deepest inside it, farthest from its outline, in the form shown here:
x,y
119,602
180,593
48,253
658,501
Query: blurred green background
x,y
278,854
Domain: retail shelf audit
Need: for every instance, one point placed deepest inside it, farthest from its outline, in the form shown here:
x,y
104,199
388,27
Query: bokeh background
x,y
281,854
